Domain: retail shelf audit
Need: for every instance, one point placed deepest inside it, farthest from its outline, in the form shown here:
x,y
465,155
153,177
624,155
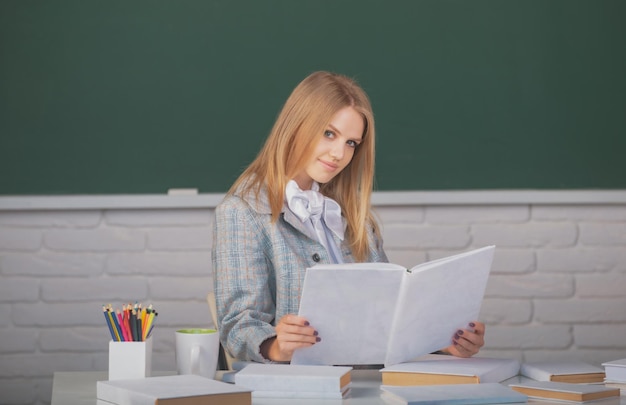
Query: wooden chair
x,y
225,361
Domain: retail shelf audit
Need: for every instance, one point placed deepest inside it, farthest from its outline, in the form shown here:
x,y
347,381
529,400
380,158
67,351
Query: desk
x,y
79,388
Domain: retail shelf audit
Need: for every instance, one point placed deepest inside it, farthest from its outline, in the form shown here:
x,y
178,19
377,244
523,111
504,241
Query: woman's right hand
x,y
292,332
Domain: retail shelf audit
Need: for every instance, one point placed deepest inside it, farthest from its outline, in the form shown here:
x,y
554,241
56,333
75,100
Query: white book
x,y
615,370
295,378
456,394
173,390
442,369
562,371
562,391
303,394
383,313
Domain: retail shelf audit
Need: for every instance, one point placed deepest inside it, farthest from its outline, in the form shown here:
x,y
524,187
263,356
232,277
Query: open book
x,y
383,313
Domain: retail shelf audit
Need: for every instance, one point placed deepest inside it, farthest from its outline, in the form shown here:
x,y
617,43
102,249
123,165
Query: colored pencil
x,y
108,322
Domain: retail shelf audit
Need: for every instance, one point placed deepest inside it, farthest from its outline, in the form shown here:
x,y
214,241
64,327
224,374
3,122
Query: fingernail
x,y
318,339
315,333
456,336
454,343
459,332
306,323
472,324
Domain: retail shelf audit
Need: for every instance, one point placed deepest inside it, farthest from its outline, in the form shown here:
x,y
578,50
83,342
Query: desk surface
x,y
79,388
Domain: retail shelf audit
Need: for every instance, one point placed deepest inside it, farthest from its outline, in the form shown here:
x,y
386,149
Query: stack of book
x,y
616,374
442,369
561,391
570,380
295,381
171,390
487,393
571,371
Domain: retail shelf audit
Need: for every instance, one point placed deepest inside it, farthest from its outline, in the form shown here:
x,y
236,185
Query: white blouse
x,y
321,216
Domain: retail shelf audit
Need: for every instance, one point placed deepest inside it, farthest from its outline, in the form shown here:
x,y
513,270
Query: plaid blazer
x,y
259,269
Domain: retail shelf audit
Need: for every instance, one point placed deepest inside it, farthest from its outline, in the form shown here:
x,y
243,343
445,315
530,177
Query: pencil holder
x,y
129,360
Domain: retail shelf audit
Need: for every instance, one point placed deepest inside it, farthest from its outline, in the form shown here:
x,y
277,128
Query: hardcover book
x,y
487,393
562,371
565,391
295,381
172,390
615,370
441,369
378,313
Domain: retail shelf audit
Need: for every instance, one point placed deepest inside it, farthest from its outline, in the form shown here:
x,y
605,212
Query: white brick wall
x,y
557,289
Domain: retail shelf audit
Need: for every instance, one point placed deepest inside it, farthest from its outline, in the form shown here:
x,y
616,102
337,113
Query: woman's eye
x,y
329,134
352,144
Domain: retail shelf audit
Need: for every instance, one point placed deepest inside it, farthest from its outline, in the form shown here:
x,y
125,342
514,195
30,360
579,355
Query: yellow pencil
x,y
148,324
114,324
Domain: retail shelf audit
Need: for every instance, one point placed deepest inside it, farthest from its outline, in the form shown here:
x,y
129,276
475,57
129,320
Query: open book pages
x,y
562,371
441,369
460,394
565,391
377,313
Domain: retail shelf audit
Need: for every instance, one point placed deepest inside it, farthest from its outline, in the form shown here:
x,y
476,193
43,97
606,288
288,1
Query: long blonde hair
x,y
300,124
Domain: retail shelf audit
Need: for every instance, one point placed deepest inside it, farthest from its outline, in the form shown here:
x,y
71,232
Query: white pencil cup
x,y
128,360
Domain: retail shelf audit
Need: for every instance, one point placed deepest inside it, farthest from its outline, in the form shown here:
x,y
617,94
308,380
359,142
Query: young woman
x,y
305,199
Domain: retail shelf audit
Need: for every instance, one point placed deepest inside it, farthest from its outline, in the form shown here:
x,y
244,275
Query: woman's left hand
x,y
467,342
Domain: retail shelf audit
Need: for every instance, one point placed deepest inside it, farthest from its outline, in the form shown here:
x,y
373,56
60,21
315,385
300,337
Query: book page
x,y
351,307
436,299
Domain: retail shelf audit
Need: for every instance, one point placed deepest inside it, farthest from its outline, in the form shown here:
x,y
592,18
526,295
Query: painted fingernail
x,y
318,339
456,337
472,324
459,332
454,343
315,333
306,323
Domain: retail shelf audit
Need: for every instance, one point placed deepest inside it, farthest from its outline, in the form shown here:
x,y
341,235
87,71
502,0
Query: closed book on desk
x,y
565,391
295,381
615,370
441,369
487,393
172,390
379,313
562,371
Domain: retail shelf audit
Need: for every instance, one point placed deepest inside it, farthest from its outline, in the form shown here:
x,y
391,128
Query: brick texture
x,y
557,288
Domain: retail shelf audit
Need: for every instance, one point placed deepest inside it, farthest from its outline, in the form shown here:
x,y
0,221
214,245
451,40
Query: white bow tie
x,y
311,204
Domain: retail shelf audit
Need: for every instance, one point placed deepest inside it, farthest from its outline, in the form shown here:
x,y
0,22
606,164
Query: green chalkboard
x,y
137,97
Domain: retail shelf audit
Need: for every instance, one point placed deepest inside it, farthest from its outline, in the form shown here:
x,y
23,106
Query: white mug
x,y
197,351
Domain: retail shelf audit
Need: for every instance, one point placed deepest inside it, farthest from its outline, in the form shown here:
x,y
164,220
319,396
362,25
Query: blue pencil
x,y
117,326
108,321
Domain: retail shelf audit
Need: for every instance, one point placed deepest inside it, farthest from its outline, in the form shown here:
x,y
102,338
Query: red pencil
x,y
121,321
127,324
